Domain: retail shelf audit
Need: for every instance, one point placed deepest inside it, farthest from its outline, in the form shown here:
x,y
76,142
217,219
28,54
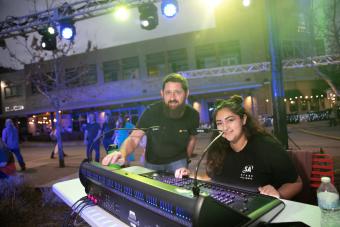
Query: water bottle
x,y
328,201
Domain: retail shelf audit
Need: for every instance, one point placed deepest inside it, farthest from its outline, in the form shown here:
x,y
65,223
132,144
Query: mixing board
x,y
143,197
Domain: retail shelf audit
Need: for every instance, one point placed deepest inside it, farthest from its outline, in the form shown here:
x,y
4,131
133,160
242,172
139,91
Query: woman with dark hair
x,y
247,156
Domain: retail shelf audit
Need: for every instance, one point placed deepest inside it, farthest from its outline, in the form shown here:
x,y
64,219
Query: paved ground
x,y
43,171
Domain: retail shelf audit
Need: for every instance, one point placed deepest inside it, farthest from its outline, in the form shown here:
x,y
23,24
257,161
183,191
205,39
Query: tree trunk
x,y
59,141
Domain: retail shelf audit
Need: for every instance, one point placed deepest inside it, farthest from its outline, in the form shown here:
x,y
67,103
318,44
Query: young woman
x,y
247,156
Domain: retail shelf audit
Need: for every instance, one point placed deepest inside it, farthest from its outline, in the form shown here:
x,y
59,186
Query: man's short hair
x,y
175,77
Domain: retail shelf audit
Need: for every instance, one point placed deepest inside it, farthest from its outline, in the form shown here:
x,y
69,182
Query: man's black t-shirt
x,y
262,161
168,143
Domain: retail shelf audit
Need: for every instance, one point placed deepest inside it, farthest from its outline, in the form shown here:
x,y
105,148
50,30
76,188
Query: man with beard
x,y
170,129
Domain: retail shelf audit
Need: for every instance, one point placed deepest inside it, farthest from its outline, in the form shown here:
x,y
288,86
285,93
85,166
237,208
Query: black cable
x,y
74,207
88,203
195,188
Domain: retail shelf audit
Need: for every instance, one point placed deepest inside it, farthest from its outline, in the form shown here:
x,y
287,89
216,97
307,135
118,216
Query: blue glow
x,y
67,33
169,8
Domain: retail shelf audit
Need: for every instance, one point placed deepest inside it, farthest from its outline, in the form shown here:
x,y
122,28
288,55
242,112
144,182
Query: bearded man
x,y
169,126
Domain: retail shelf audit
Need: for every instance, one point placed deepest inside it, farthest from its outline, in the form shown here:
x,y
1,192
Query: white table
x,y
72,190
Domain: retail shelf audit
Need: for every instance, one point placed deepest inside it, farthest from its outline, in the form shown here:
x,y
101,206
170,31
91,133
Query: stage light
x,y
121,13
49,38
148,16
169,8
246,3
67,29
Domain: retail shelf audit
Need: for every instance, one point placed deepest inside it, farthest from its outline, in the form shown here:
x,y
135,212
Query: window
x,y
90,75
71,79
13,91
111,70
155,64
218,54
206,56
177,60
301,49
229,53
45,82
130,68
82,76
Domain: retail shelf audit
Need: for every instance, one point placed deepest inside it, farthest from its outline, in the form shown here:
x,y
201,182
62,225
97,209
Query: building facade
x,y
231,58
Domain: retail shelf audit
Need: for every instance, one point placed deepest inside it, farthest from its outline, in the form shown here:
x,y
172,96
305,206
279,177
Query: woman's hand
x,y
181,172
269,190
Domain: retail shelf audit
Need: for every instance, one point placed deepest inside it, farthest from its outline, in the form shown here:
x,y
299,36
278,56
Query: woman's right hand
x,y
113,158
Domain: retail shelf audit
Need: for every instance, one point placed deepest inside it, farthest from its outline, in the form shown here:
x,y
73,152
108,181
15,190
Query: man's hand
x,y
113,158
269,190
181,172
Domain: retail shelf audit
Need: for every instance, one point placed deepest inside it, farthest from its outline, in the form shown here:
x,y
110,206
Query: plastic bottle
x,y
328,201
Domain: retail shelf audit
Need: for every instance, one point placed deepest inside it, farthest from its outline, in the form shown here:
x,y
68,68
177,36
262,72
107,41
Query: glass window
x,y
218,54
13,91
177,60
229,53
90,75
111,70
155,64
206,56
71,78
45,82
130,68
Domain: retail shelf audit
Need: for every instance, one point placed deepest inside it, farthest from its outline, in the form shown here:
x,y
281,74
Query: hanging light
x,y
148,16
169,8
49,38
67,29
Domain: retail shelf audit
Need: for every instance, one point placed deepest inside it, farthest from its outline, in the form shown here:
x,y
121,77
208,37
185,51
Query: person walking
x,y
10,137
92,134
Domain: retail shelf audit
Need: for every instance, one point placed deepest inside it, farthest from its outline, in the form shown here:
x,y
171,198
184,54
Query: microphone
x,y
195,188
200,130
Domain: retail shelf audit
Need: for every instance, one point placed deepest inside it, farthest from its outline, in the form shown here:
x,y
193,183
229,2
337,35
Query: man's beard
x,y
173,113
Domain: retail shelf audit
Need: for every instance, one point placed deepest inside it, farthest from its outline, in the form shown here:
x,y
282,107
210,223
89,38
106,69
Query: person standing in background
x,y
91,138
10,137
121,135
108,132
7,164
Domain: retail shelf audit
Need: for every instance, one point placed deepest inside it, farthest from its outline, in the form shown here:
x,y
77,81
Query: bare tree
x,y
46,75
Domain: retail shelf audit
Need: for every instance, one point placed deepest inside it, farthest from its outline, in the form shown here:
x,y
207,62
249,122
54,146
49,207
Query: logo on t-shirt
x,y
246,173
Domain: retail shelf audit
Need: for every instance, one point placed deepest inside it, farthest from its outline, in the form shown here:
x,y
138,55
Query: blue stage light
x,y
169,8
67,30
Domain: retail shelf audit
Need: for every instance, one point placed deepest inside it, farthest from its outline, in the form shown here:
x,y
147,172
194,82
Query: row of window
x,y
159,64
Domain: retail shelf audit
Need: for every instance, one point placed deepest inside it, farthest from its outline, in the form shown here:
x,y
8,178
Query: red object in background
x,y
322,166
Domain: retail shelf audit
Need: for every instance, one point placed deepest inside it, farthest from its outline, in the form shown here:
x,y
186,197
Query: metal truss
x,y
14,26
262,67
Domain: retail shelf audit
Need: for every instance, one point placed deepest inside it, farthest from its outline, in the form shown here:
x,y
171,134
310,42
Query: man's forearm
x,y
127,147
